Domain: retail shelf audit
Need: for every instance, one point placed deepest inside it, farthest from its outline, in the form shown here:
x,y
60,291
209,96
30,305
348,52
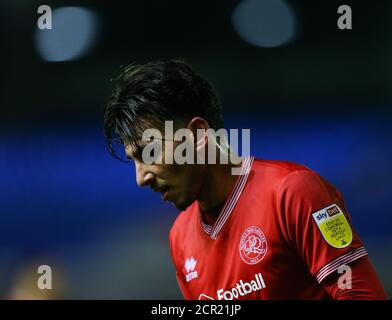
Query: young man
x,y
276,231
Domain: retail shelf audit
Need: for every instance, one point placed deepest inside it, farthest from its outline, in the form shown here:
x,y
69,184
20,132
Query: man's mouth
x,y
165,195
164,191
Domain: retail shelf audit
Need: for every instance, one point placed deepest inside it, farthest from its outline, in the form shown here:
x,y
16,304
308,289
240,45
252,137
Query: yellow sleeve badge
x,y
334,226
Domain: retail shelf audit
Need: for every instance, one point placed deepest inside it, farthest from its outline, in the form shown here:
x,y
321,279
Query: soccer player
x,y
278,230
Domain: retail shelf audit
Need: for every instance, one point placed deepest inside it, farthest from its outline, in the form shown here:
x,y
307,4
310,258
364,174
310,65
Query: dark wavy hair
x,y
145,96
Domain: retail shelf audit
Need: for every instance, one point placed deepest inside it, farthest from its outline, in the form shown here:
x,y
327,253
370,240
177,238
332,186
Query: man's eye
x,y
138,154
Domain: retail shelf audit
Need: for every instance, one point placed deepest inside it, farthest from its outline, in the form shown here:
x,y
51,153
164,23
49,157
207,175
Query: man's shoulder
x,y
289,179
280,167
284,176
273,172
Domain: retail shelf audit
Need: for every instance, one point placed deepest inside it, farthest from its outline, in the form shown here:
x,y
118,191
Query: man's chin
x,y
182,206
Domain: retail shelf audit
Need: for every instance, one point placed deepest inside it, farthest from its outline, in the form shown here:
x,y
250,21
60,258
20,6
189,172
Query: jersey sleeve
x,y
362,281
316,223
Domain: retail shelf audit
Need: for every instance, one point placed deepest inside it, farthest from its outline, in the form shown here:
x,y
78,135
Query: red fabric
x,y
302,193
270,246
365,284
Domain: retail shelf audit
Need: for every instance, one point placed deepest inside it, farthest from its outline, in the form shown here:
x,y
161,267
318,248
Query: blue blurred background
x,y
309,92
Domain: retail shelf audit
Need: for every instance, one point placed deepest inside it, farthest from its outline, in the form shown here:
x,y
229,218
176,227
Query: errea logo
x,y
190,265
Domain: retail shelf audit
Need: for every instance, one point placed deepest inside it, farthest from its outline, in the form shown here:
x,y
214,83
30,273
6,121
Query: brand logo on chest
x,y
190,265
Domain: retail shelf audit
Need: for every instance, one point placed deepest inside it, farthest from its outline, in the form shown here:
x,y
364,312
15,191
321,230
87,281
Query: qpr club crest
x,y
253,245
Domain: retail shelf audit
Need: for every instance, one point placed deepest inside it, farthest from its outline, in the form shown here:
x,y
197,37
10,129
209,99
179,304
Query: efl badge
x,y
334,226
253,245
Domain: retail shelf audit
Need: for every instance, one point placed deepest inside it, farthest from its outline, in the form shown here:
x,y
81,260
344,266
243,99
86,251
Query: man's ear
x,y
199,127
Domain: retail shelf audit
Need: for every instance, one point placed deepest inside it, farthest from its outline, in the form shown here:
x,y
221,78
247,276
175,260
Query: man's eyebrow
x,y
134,153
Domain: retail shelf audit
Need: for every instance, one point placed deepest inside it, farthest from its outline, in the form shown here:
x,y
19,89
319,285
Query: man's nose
x,y
143,176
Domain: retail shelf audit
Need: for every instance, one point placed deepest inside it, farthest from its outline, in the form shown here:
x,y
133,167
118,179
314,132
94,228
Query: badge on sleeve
x,y
334,226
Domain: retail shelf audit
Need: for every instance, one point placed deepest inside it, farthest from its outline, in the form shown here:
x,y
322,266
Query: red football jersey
x,y
282,230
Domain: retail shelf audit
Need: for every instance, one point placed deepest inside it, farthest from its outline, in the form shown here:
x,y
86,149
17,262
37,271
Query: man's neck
x,y
219,184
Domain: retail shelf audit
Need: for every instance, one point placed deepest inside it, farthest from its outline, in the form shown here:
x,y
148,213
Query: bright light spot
x,y
264,23
73,34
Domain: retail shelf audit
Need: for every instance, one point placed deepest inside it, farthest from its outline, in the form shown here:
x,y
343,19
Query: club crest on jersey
x,y
334,226
253,245
190,265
